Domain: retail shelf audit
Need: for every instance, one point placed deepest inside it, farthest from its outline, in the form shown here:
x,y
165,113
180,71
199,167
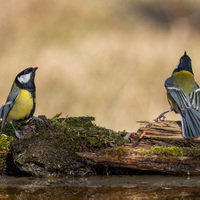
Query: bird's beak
x,y
34,69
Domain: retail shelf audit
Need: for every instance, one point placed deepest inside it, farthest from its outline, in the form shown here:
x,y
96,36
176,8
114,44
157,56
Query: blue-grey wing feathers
x,y
195,99
5,109
188,107
178,95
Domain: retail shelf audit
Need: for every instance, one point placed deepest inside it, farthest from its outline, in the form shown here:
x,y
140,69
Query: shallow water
x,y
101,187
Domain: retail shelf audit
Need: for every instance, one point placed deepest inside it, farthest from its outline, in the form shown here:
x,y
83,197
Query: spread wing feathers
x,y
5,109
195,99
178,95
191,123
180,98
188,107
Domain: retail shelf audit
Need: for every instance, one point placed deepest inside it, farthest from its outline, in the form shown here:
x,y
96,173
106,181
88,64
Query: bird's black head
x,y
25,79
185,64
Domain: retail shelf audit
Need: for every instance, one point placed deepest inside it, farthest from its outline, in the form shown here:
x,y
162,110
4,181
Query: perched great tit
x,y
20,103
183,95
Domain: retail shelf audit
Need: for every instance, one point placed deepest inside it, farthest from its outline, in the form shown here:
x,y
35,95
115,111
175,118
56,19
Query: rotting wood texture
x,y
156,146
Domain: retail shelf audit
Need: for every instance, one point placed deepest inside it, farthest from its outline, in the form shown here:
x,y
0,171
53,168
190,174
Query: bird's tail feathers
x,y
191,123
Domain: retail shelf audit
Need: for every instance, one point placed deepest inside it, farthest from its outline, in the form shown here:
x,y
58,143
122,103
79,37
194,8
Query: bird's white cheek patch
x,y
24,78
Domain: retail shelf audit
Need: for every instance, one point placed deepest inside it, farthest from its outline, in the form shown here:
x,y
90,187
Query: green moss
x,y
55,119
82,134
84,122
122,150
5,143
168,151
192,152
9,129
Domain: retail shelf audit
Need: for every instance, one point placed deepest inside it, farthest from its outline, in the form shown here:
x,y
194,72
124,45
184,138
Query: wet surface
x,y
101,187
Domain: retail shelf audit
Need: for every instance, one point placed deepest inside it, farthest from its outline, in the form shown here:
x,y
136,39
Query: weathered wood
x,y
156,146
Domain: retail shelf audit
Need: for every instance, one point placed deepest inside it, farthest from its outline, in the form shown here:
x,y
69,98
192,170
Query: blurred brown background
x,y
107,58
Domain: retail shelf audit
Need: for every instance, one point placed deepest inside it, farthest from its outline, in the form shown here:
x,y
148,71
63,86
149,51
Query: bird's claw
x,y
18,135
37,118
161,118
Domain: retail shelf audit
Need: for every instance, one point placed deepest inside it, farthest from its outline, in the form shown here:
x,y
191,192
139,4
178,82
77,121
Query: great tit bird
x,y
20,103
183,95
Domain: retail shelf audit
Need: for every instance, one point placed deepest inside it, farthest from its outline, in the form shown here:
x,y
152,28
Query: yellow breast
x,y
185,80
22,106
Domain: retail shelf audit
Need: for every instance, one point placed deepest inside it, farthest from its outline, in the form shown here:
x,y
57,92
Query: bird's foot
x,y
161,117
18,135
38,119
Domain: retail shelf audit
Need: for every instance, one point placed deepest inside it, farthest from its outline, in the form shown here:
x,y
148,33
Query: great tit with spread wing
x,y
183,95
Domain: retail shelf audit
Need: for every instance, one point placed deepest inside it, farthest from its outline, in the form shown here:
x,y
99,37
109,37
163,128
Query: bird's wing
x,y
179,96
4,111
195,99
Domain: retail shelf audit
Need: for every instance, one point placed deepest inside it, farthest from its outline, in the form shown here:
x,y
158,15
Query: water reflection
x,y
107,187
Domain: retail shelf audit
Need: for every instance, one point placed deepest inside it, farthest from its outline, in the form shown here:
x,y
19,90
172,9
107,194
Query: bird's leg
x,y
16,133
162,115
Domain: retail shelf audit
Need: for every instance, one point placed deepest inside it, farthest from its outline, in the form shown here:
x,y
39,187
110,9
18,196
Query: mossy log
x,y
156,146
49,146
